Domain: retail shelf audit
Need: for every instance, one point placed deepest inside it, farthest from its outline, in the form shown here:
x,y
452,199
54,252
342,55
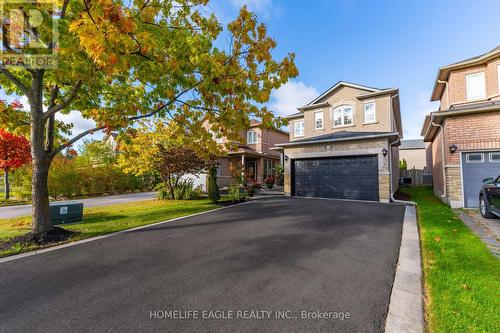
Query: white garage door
x,y
477,166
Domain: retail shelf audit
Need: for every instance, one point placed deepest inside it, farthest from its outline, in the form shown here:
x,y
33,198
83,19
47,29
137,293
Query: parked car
x,y
489,198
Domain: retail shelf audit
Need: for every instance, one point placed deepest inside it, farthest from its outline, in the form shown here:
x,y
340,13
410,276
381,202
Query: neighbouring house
x,y
253,151
110,139
464,134
344,144
414,153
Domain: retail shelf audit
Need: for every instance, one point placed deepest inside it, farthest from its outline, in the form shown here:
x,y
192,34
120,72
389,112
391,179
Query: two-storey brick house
x,y
253,151
465,132
344,144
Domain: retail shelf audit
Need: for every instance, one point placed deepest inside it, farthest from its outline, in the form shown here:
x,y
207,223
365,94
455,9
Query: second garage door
x,y
477,166
353,177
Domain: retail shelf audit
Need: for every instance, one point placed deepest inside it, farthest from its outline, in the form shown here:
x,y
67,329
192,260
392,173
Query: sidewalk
x,y
487,229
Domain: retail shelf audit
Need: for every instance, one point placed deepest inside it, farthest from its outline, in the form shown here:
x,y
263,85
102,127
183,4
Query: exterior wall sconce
x,y
384,152
453,148
286,158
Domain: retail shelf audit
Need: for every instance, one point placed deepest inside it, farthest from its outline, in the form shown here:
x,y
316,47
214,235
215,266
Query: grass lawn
x,y
103,220
461,277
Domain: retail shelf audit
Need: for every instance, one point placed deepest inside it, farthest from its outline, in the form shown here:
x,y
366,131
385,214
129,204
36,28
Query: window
x,y
369,109
495,157
251,137
298,128
268,168
318,120
498,78
218,168
474,158
215,137
475,86
342,115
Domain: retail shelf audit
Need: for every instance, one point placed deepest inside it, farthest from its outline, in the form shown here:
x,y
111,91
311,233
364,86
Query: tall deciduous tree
x,y
14,153
121,61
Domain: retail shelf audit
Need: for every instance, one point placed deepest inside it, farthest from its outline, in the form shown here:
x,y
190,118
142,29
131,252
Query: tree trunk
x,y
40,197
41,161
7,186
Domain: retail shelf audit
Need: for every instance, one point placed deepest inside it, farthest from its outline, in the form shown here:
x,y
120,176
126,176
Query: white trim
x,y
322,120
469,87
374,112
342,83
490,157
295,135
256,137
498,78
471,153
342,109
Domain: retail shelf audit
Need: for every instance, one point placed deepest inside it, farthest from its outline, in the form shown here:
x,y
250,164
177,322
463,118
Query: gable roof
x,y
444,72
343,84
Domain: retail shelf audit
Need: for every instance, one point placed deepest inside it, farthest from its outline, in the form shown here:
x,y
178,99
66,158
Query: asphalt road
x,y
276,254
25,210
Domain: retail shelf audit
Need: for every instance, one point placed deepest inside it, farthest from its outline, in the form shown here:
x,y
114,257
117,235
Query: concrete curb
x,y
406,305
86,240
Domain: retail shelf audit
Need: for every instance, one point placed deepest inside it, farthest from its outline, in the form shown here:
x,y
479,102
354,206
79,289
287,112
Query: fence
x,y
415,177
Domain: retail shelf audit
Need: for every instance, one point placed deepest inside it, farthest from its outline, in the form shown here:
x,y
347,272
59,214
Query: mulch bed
x,y
230,203
52,237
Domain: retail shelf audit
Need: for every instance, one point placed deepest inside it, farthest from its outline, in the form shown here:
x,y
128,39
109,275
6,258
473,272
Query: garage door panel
x,y
473,172
339,177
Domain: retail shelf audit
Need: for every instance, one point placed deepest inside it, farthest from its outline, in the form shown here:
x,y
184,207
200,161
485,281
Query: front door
x,y
251,170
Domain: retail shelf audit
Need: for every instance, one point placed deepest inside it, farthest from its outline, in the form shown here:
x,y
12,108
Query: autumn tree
x,y
174,163
122,61
14,153
171,153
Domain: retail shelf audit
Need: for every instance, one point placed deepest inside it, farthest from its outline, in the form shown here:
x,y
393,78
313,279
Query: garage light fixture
x,y
286,158
453,148
384,152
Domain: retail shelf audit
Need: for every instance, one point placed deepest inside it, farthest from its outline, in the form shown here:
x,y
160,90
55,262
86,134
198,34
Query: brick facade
x,y
469,130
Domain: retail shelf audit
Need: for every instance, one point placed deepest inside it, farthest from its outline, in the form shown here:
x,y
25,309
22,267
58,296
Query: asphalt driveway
x,y
277,254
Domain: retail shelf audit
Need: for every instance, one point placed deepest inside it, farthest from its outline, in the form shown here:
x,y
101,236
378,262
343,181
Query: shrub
x,y
279,172
269,182
235,193
213,189
73,177
184,190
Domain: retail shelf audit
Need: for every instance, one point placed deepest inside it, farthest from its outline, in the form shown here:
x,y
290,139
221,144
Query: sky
x,y
384,44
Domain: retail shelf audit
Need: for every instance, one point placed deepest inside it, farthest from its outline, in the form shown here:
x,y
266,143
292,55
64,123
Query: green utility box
x,y
66,212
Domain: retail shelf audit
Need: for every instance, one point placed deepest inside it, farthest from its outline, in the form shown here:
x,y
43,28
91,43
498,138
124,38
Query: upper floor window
x,y
298,128
476,88
318,120
369,111
498,78
342,115
251,137
216,137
